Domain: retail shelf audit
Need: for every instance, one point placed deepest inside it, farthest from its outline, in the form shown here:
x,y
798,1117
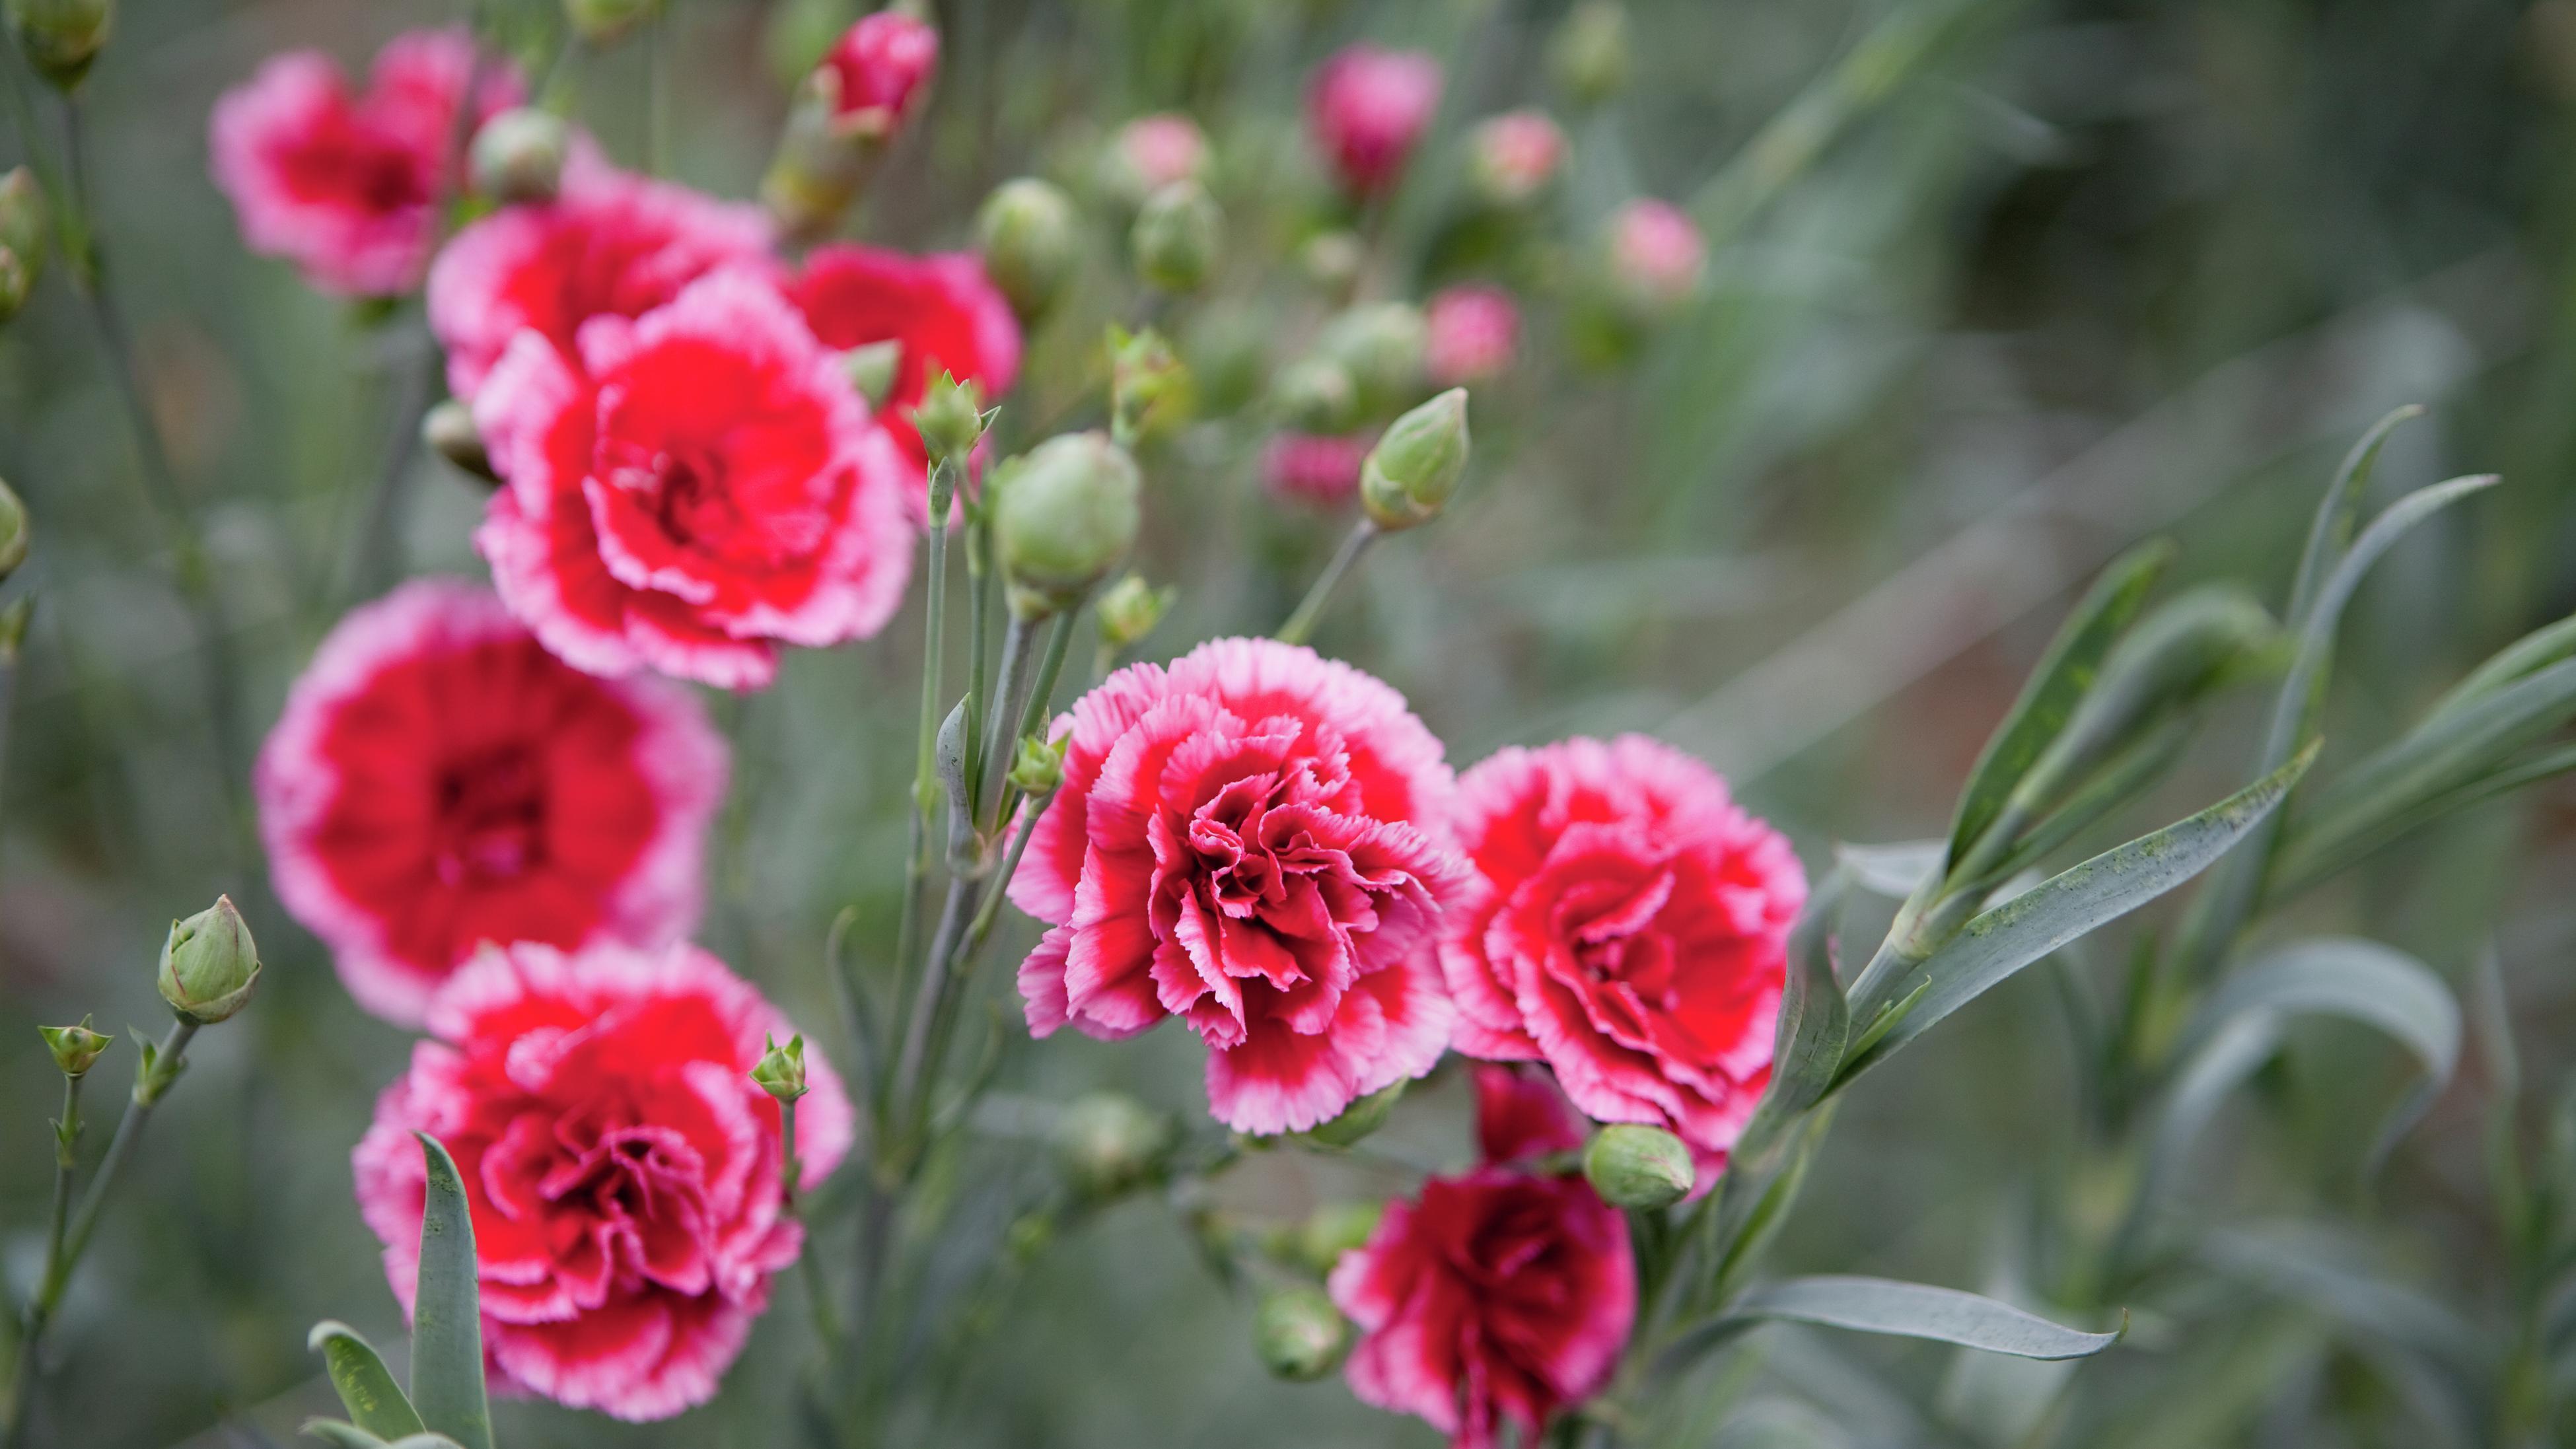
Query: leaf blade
x,y
447,1315
1920,1310
367,1388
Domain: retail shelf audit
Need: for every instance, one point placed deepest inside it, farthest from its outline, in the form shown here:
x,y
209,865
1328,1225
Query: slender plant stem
x,y
979,554
1302,623
925,783
1018,643
32,1329
992,907
911,1091
168,1058
1033,713
657,92
8,700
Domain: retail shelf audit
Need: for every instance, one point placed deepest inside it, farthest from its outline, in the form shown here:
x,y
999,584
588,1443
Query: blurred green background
x,y
1997,288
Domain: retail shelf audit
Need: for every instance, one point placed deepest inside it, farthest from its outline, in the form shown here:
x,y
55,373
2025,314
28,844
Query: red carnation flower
x,y
1367,108
881,66
691,489
1630,929
942,310
1496,1296
625,1176
1248,840
347,186
1471,334
1320,469
610,245
438,780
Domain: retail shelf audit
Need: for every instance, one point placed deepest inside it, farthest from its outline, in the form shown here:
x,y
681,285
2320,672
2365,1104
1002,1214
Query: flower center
x,y
490,814
1612,928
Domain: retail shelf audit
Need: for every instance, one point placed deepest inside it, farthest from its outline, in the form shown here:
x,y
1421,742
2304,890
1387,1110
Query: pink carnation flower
x,y
691,489
1248,840
612,245
347,186
1629,928
625,1177
1366,110
1656,253
1152,152
1471,335
1515,155
438,780
880,69
1321,469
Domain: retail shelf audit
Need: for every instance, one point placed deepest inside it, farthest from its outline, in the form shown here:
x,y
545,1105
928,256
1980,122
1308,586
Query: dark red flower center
x,y
490,818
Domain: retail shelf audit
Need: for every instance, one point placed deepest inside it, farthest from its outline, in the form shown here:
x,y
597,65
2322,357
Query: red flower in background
x,y
881,66
1366,110
1498,1296
942,310
1630,929
1322,469
1248,840
1472,333
1656,253
347,186
438,780
625,1176
611,245
690,490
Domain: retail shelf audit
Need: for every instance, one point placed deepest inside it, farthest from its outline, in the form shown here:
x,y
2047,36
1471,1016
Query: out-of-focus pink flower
x,y
1152,152
942,309
1473,332
438,781
881,67
1657,256
625,1176
1248,840
1629,928
1498,1296
612,245
1515,155
347,186
1315,468
1367,108
689,490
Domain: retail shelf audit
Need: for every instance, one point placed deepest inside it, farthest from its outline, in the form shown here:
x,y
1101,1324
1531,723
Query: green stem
x,y
827,1324
1018,643
1033,714
148,1091
657,93
911,1091
925,780
979,605
38,1311
1302,623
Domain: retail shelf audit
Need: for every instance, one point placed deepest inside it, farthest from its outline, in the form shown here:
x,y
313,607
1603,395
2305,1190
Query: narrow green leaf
x,y
1746,1239
1918,1310
1815,1021
2527,655
1895,870
447,1311
426,1441
341,1435
2122,778
367,1388
2055,687
2068,905
1860,1052
2338,510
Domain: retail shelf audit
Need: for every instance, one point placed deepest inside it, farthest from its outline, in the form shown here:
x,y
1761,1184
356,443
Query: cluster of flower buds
x,y
60,38
24,222
849,107
1064,515
1030,241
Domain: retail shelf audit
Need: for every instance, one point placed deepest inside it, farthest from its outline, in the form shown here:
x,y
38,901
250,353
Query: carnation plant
x,y
800,1187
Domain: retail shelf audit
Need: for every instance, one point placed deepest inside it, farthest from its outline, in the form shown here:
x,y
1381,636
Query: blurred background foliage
x,y
1998,287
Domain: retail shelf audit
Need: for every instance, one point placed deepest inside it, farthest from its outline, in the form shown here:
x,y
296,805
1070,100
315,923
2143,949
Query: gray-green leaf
x,y
375,1402
447,1311
340,1435
1918,1310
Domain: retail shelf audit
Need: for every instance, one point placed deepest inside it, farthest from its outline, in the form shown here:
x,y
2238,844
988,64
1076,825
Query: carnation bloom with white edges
x,y
1251,840
438,780
625,1177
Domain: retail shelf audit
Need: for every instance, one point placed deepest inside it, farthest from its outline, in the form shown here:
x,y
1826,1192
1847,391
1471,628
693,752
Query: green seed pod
x,y
781,1069
448,430
1110,1143
1178,235
518,156
1410,475
1030,242
14,531
62,37
1298,1332
1638,1167
76,1048
209,964
1130,609
1063,516
1334,1229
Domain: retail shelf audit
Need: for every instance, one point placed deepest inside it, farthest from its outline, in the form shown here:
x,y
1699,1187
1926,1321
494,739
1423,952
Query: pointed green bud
x,y
601,22
1063,516
871,370
1178,235
1298,1332
76,1048
1638,1167
1129,610
781,1069
62,37
1411,473
1109,1143
1030,241
1037,766
1334,1229
1316,395
15,532
1360,1118
209,964
518,156
950,418
1589,53
448,430
1382,346
1150,392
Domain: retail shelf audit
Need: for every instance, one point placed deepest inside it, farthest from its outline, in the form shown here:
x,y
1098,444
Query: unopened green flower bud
x,y
76,1048
950,418
781,1069
13,626
1037,766
1129,610
1030,243
1638,1167
1316,395
1063,516
518,156
1150,391
14,531
209,964
62,37
603,21
1332,260
448,430
1109,1143
1298,1332
1589,53
871,368
26,223
1177,237
1415,467
1360,1118
1334,1229
1382,347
